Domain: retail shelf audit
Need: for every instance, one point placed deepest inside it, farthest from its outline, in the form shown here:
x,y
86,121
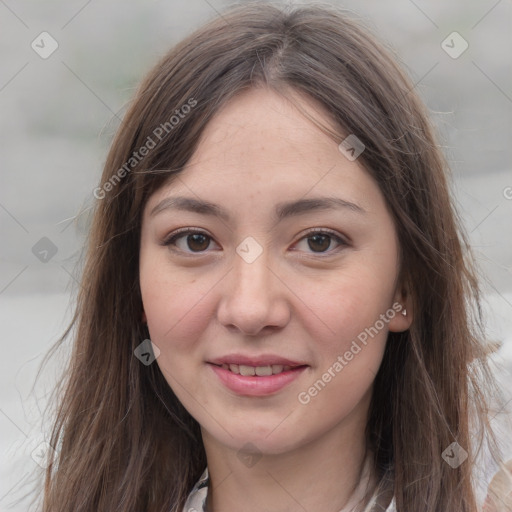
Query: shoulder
x,y
499,494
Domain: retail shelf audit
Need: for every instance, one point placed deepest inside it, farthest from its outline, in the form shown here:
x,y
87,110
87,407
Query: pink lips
x,y
253,385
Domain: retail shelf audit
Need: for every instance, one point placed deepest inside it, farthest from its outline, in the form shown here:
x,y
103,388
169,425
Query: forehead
x,y
262,124
260,145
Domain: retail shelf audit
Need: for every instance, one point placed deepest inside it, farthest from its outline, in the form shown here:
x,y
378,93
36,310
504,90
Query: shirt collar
x,y
196,501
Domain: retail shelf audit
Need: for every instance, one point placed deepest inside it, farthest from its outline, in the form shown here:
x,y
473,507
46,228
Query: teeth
x,y
260,371
247,371
263,370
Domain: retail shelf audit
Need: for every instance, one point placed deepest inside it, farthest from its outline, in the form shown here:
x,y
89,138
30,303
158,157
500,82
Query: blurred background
x,y
67,70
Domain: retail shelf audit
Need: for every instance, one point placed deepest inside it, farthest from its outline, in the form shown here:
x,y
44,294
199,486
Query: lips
x,y
261,366
256,376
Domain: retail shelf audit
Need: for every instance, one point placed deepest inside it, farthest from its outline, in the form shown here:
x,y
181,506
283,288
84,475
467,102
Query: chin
x,y
260,439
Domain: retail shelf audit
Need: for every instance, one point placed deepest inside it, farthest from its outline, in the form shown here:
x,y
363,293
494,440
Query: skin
x,y
294,301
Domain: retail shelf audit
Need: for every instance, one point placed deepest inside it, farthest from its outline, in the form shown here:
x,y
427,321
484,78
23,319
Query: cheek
x,y
349,342
176,305
348,305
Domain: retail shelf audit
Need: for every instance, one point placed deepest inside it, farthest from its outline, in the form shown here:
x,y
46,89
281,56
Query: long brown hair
x,y
123,441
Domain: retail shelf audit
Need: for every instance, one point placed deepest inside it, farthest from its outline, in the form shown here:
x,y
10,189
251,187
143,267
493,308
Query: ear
x,y
402,305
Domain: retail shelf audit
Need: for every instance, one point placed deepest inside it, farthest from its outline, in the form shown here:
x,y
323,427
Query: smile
x,y
254,381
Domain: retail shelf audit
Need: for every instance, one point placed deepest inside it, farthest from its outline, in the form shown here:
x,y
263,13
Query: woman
x,y
274,216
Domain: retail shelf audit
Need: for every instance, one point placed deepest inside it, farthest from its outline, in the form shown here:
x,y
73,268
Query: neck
x,y
320,475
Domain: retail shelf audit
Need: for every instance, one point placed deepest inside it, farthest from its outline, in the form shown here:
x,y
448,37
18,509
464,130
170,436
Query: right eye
x,y
190,241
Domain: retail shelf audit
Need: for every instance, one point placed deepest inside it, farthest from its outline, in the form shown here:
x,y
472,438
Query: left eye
x,y
321,241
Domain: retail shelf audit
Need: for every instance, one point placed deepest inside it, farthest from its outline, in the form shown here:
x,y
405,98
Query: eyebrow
x,y
282,211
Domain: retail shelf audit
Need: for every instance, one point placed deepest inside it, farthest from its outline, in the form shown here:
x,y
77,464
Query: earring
x,y
404,312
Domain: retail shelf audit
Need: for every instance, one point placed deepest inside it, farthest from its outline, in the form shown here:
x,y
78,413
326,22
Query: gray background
x,y
58,116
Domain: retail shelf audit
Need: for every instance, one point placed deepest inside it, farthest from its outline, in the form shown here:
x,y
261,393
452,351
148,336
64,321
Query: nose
x,y
254,299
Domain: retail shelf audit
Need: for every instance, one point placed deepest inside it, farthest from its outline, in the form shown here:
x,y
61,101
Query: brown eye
x,y
198,242
189,241
319,243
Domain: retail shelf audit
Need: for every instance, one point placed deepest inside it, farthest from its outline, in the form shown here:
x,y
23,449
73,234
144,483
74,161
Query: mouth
x,y
263,376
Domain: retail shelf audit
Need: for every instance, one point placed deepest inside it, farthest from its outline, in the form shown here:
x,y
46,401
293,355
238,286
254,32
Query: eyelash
x,y
173,237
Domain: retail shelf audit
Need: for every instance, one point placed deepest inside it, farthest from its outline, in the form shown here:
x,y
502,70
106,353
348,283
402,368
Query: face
x,y
268,272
